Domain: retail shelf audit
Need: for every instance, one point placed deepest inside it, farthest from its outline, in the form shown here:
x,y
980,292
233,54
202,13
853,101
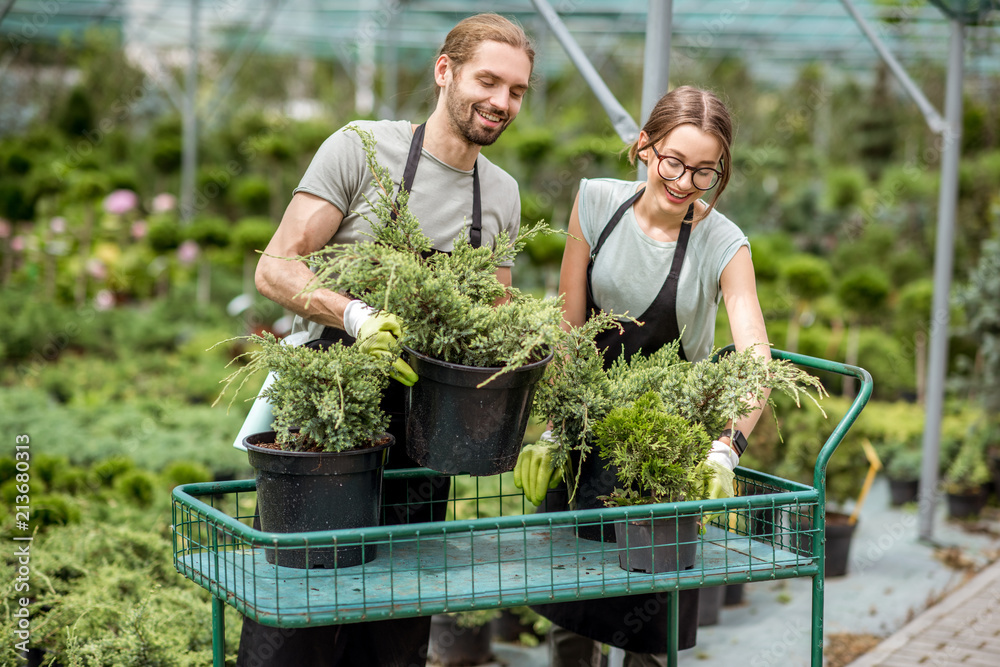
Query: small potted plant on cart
x,y
321,467
652,417
478,347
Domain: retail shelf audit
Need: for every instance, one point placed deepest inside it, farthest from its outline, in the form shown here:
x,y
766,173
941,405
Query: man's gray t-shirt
x,y
441,196
631,267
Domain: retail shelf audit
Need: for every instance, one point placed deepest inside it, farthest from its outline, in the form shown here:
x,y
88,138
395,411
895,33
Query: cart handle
x,y
864,393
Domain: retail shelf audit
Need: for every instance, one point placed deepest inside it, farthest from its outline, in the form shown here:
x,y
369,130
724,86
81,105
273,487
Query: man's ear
x,y
443,70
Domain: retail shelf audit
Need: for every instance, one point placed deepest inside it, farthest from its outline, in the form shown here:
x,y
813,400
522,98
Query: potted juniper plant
x,y
478,347
656,455
321,467
652,418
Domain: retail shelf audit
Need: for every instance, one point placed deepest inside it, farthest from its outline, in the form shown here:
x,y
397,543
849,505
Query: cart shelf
x,y
494,551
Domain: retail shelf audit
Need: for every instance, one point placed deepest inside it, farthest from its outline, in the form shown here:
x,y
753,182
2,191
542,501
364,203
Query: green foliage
x,y
905,463
209,232
981,300
164,233
969,469
167,155
475,618
252,234
577,395
656,453
447,302
107,594
864,291
252,194
322,399
808,277
137,486
77,116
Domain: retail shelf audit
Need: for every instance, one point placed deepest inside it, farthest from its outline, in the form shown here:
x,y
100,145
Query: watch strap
x,y
737,438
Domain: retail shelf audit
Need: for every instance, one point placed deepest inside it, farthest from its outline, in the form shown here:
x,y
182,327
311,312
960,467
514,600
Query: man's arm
x,y
308,224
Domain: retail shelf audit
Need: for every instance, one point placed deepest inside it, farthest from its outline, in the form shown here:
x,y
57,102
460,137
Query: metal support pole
x,y
656,58
937,365
189,118
934,120
621,120
6,9
218,632
656,61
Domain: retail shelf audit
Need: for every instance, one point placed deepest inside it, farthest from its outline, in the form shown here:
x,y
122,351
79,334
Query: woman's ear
x,y
643,153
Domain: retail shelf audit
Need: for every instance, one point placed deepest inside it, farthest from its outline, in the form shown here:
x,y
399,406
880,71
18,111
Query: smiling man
x,y
482,73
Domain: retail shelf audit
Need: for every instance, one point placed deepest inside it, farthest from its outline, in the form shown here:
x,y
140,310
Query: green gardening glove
x,y
534,471
721,483
378,336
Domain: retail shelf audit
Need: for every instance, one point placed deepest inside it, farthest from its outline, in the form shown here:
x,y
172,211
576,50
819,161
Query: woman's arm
x,y
746,322
573,273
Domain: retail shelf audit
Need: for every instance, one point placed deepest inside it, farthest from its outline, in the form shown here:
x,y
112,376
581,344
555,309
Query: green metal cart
x,y
495,552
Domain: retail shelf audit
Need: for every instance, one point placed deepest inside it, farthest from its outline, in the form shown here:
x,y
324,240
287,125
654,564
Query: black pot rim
x,y
391,440
491,369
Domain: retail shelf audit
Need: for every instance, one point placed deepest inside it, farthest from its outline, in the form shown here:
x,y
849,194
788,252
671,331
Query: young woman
x,y
659,251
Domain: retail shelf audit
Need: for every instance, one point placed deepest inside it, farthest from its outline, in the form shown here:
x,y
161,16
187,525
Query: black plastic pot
x,y
311,491
839,533
508,627
455,427
734,595
451,645
902,491
675,545
965,505
710,604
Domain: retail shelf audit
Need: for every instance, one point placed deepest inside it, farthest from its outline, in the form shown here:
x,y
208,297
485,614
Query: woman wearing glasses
x,y
660,252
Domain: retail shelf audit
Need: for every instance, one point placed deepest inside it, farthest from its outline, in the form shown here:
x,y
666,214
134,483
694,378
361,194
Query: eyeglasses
x,y
670,169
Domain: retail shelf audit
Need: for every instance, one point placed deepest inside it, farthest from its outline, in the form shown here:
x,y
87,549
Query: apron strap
x,y
605,233
410,173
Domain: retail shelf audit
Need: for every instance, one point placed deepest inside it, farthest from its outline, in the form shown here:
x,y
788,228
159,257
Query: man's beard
x,y
463,118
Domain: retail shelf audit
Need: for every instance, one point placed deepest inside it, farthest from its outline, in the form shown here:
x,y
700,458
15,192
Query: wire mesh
x,y
492,550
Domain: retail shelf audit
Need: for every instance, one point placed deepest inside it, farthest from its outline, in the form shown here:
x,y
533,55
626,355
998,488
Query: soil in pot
x,y
658,545
455,427
452,645
301,492
902,491
710,604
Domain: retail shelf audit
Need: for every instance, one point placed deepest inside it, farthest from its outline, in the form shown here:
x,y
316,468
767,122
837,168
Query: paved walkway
x,y
963,629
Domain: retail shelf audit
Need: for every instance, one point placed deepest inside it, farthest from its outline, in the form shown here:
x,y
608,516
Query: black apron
x,y
635,622
390,643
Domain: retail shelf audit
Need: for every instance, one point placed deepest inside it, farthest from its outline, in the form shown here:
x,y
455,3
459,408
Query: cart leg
x,y
218,633
817,618
673,634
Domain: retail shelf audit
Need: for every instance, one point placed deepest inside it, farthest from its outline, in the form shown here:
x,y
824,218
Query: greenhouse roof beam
x,y
623,123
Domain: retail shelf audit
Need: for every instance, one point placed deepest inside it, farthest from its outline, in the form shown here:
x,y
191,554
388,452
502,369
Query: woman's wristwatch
x,y
737,440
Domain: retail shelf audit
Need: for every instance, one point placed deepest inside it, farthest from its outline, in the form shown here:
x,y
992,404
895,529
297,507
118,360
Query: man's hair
x,y
693,106
464,39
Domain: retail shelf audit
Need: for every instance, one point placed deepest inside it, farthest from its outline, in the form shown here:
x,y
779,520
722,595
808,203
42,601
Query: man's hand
x,y
378,334
534,471
721,461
